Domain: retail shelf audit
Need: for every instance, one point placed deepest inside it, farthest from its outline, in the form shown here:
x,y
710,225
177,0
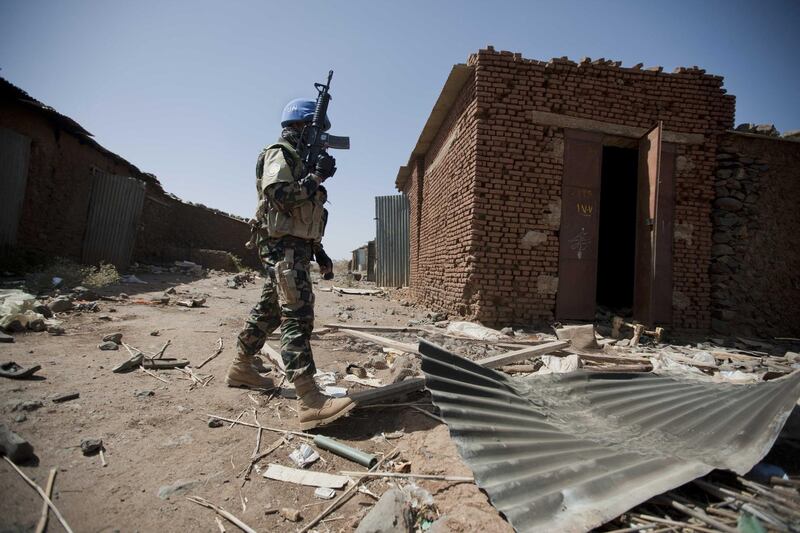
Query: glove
x,y
326,165
325,263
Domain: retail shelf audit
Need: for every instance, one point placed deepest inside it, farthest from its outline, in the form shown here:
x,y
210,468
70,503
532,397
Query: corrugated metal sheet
x,y
114,210
15,152
391,241
568,452
359,263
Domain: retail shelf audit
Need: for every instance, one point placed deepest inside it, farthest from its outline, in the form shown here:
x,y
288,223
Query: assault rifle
x,y
314,136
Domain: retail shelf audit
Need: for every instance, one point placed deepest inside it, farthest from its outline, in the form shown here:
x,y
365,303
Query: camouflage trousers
x,y
287,300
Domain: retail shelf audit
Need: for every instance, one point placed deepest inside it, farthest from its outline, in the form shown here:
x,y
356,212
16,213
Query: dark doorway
x,y
617,237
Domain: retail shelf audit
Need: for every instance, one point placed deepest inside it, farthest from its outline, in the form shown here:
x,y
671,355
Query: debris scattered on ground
x,y
194,302
13,446
475,331
348,452
213,355
304,455
27,405
305,477
91,446
145,393
324,493
130,278
6,338
358,292
222,512
66,397
14,371
215,423
392,514
116,338
108,346
290,514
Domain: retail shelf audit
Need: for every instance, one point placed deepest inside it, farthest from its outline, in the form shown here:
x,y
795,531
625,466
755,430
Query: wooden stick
x,y
149,373
42,525
519,355
410,476
212,356
428,414
686,525
222,512
382,341
703,517
346,495
219,524
163,349
233,422
44,496
277,430
103,458
358,327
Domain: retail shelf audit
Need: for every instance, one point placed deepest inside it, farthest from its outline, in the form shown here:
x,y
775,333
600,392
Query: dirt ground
x,y
158,440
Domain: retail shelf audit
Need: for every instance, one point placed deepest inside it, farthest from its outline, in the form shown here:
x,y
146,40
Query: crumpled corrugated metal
x,y
568,452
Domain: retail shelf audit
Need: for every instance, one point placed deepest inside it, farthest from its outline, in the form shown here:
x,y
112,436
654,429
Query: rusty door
x,y
580,216
652,296
114,209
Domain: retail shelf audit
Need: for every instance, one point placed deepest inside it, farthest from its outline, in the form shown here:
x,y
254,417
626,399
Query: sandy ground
x,y
162,439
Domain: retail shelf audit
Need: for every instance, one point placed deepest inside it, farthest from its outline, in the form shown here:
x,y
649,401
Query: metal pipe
x,y
342,450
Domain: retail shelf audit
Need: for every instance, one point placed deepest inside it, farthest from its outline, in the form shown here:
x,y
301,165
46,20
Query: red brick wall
x,y
516,187
441,200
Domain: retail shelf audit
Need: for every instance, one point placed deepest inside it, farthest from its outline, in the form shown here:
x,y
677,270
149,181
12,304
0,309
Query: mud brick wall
x,y
485,242
441,198
56,205
172,230
756,254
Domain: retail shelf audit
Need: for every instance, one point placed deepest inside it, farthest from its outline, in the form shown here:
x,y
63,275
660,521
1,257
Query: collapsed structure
x,y
542,190
65,194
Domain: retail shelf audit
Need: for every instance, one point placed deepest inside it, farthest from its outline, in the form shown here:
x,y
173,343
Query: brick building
x,y
62,193
540,190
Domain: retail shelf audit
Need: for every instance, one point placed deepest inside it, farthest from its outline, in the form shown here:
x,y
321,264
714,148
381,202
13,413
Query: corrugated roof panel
x,y
568,452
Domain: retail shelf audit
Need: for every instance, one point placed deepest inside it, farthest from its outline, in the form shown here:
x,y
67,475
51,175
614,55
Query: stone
x,y
401,369
61,304
116,338
55,330
215,423
290,514
145,393
14,447
377,362
28,405
108,346
392,514
43,310
22,417
5,337
178,488
160,299
82,293
91,446
728,204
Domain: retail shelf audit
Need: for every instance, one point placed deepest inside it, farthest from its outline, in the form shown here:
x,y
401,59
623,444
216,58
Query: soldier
x,y
290,223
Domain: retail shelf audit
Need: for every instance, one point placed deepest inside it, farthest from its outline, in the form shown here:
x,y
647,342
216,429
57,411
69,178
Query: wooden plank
x,y
520,355
359,327
382,341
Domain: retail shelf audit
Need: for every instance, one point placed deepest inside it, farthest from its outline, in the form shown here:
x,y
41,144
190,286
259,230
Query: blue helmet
x,y
300,110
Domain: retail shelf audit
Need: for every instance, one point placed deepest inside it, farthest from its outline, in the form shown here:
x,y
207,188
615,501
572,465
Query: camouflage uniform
x,y
291,223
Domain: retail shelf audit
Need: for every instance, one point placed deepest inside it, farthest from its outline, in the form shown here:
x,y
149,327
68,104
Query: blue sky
x,y
191,91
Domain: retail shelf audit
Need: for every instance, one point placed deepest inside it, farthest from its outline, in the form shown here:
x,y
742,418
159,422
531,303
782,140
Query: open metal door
x,y
652,296
580,217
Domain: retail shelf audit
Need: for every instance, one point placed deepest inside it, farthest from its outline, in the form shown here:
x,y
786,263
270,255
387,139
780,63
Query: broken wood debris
x,y
305,477
51,479
43,495
382,341
460,479
520,355
222,512
213,355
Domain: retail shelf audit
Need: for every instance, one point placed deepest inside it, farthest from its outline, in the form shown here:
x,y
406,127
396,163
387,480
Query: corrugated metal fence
x,y
114,210
14,155
391,241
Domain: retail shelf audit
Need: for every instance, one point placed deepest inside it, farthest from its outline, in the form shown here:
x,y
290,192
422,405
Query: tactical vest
x,y
305,220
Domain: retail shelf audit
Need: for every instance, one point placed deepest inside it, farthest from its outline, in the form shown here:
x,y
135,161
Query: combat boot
x,y
242,373
316,409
